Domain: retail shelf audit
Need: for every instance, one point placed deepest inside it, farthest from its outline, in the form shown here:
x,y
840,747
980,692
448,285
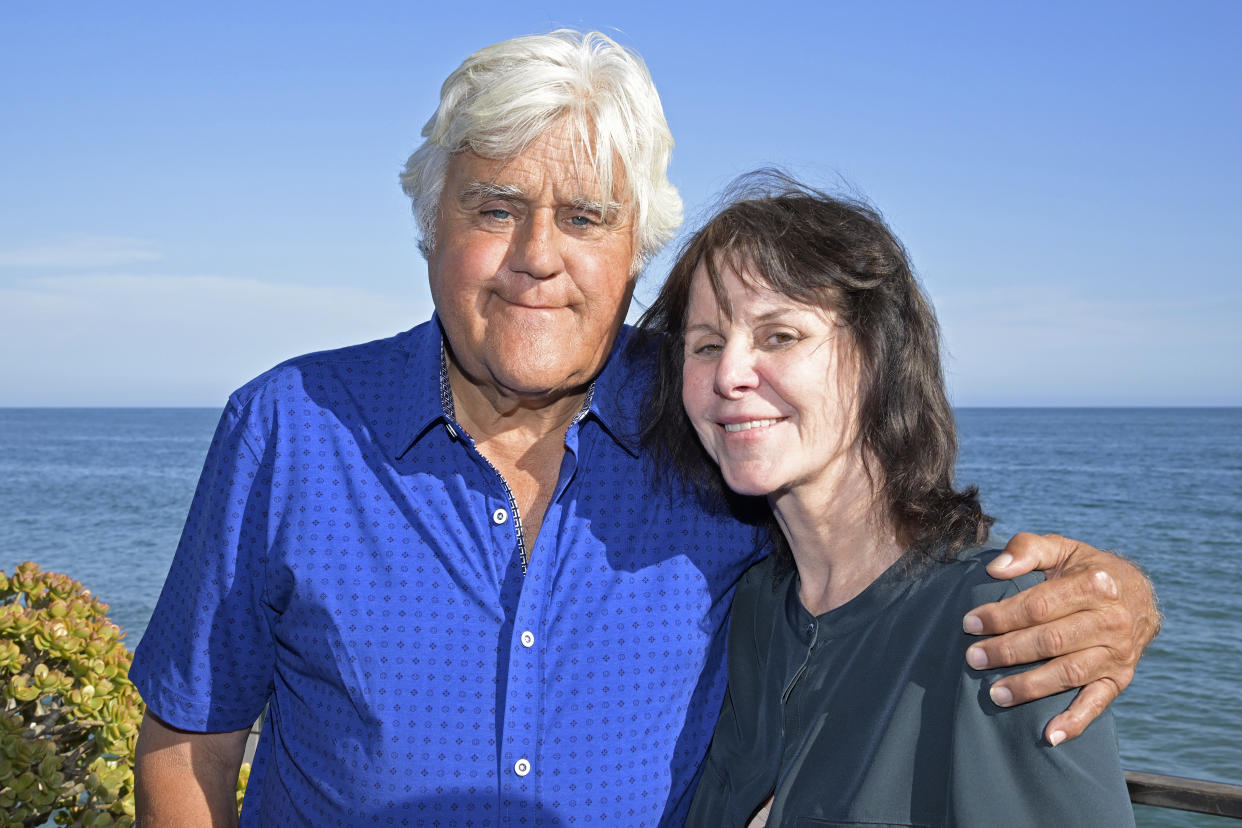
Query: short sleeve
x,y
205,662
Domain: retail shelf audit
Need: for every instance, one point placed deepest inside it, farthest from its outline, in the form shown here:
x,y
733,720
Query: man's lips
x,y
535,304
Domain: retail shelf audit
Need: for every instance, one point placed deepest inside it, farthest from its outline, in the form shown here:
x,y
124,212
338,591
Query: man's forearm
x,y
186,779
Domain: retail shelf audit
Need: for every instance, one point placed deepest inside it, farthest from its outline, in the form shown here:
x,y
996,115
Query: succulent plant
x,y
69,718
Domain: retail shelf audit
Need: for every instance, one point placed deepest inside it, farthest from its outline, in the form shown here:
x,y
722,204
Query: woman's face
x,y
772,391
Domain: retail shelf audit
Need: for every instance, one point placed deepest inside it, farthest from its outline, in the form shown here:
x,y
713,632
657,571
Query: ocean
x,y
101,494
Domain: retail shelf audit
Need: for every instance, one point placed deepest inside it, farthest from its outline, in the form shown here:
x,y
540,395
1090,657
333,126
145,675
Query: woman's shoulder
x,y
967,579
761,593
766,579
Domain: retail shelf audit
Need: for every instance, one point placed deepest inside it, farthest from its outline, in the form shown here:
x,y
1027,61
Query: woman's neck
x,y
841,541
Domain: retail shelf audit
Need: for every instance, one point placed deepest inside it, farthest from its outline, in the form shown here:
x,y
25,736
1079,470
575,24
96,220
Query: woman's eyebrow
x,y
773,315
701,326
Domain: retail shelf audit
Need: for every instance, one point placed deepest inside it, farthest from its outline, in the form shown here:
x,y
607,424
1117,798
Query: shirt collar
x,y
614,398
620,390
420,387
859,611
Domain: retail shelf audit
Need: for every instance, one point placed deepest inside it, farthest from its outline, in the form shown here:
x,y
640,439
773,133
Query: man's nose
x,y
737,371
535,246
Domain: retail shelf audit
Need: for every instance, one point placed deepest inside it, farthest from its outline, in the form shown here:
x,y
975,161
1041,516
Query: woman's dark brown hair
x,y
836,253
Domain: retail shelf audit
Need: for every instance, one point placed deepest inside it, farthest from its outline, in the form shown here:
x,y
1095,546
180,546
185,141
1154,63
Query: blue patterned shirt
x,y
351,560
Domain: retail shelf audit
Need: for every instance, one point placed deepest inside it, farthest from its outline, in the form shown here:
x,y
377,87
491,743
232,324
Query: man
x,y
442,561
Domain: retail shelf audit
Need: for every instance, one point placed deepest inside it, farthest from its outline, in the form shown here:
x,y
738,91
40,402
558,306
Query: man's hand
x,y
184,778
1093,617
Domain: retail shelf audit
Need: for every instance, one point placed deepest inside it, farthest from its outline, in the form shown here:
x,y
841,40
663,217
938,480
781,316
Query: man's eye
x,y
498,213
583,221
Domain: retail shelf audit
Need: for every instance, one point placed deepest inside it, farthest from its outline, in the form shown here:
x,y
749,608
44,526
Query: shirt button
x,y
521,767
528,638
499,516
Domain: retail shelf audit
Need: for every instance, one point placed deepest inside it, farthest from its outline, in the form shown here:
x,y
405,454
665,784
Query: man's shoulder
x,y
633,360
382,389
366,362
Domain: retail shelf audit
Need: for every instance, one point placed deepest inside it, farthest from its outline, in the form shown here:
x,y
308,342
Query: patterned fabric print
x,y
346,559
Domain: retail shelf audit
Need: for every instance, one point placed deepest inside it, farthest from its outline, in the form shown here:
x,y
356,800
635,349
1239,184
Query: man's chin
x,y
539,363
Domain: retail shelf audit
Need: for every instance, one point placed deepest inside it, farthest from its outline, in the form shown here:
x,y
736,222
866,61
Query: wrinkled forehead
x,y
564,161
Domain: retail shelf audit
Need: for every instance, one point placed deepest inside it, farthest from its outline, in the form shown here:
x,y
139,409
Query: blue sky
x,y
190,193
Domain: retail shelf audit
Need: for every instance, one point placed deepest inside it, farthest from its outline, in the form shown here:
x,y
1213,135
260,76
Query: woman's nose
x,y
737,371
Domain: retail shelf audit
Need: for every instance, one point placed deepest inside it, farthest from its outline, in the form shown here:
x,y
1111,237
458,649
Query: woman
x,y
807,361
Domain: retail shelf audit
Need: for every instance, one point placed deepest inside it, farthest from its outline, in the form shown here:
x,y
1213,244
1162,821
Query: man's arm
x,y
1093,617
186,779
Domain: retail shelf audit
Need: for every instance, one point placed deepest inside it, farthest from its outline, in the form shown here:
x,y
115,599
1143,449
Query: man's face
x,y
530,273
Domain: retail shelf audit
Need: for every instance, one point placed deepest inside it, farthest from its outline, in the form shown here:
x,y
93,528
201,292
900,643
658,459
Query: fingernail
x,y
1001,697
1057,737
1002,561
972,624
976,658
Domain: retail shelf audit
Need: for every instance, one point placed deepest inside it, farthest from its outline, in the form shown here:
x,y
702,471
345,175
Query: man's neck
x,y
523,438
489,413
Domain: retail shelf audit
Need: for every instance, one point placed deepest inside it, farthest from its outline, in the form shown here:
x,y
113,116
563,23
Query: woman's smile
x,y
748,425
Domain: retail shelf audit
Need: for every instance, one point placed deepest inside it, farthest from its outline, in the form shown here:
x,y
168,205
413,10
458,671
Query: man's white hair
x,y
506,95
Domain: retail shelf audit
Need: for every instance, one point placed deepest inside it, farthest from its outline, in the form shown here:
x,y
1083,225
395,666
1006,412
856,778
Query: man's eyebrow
x,y
480,191
591,205
486,190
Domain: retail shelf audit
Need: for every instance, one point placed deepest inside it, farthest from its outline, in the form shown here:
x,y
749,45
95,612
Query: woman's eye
x,y
781,338
708,349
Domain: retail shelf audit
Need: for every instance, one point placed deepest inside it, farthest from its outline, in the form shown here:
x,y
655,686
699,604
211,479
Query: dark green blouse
x,y
869,715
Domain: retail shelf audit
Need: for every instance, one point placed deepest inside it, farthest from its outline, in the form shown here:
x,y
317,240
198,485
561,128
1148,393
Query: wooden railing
x,y
1216,798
